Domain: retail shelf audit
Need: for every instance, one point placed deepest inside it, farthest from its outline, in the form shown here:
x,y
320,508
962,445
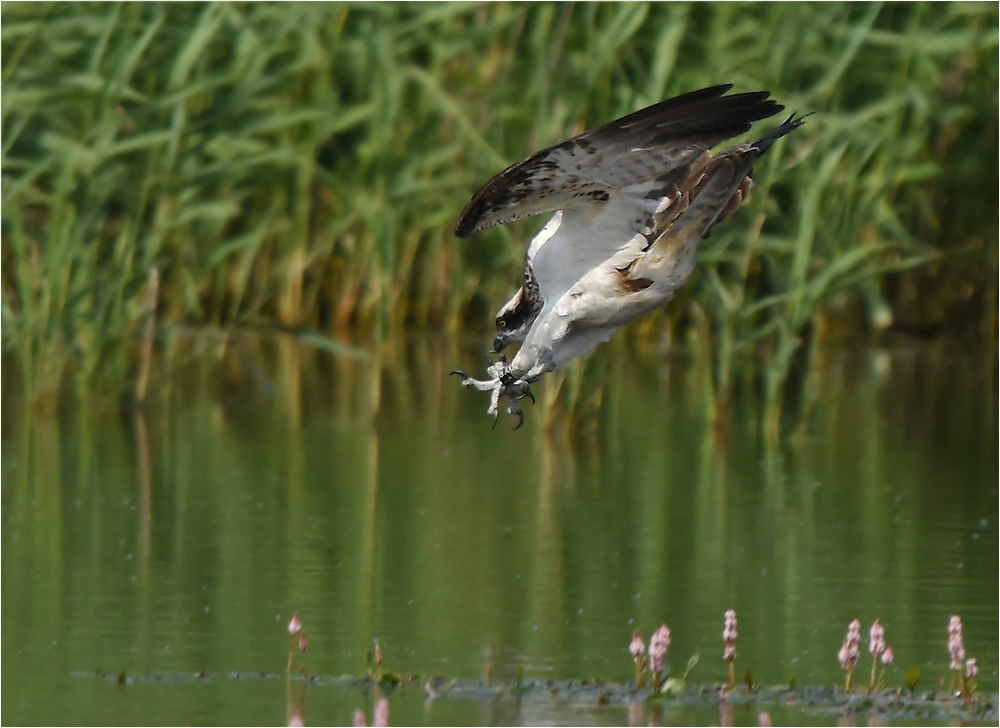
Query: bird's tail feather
x,y
726,174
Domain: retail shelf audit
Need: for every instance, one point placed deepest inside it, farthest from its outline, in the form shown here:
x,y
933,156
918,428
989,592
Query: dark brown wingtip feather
x,y
716,118
791,124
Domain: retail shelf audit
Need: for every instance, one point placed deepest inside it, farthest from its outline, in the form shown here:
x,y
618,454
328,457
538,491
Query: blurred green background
x,y
177,176
303,165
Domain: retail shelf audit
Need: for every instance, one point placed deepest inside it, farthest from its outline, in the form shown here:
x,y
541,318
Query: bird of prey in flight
x,y
632,201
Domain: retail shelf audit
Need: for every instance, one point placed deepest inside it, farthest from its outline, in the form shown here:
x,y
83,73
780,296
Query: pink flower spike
x,y
876,643
359,720
659,645
956,642
729,634
303,642
295,720
381,713
764,719
637,647
854,630
295,626
849,651
971,667
888,655
844,657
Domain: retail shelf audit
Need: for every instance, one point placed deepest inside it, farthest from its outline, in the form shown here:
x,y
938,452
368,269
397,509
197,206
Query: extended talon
x,y
502,383
467,381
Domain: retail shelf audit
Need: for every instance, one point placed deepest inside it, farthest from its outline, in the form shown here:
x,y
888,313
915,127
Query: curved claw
x,y
496,418
460,373
527,391
501,357
520,419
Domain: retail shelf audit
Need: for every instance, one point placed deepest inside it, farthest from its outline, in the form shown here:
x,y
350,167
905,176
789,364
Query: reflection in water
x,y
266,477
636,711
295,710
725,714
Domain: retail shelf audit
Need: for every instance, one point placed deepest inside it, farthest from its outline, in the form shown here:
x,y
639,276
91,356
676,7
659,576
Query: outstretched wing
x,y
639,153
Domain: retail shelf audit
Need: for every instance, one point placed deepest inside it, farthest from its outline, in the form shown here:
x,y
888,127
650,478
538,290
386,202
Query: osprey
x,y
632,201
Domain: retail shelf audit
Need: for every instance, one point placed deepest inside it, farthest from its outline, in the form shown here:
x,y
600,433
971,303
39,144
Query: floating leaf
x,y
672,687
911,678
791,682
384,677
748,677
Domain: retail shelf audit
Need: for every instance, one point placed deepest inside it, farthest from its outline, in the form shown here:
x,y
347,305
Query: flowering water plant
x,y
729,635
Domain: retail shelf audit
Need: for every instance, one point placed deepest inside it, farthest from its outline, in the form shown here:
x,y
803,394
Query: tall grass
x,y
304,164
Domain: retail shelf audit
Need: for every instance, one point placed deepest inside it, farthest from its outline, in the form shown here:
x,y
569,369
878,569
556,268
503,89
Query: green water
x,y
371,496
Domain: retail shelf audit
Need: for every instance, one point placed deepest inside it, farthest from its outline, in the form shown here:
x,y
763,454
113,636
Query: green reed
x,y
304,164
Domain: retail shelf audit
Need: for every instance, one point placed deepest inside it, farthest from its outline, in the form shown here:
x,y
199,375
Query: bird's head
x,y
513,321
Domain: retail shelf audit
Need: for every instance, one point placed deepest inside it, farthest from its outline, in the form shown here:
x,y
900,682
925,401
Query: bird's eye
x,y
501,323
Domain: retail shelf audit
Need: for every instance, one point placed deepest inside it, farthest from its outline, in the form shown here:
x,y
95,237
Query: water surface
x,y
370,495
